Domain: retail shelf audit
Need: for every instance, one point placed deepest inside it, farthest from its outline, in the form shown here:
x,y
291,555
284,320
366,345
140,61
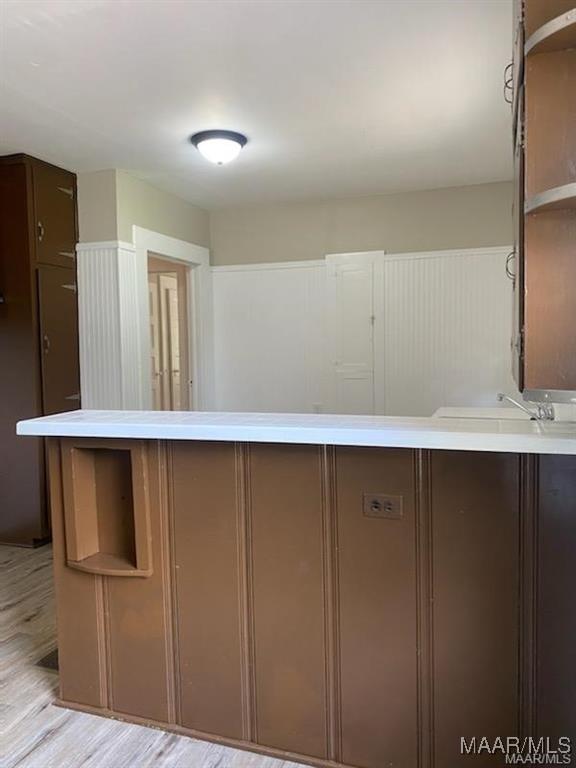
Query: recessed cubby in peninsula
x,y
106,507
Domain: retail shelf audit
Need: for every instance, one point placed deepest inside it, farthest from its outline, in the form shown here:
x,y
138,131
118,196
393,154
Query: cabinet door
x,y
55,201
59,339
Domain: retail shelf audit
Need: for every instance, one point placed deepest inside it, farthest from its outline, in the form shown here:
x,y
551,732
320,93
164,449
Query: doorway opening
x,y
170,352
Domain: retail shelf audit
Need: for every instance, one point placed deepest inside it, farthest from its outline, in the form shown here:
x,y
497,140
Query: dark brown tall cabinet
x,y
544,100
38,330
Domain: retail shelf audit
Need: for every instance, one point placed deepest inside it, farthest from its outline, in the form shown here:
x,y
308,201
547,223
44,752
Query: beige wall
x,y
97,208
111,202
455,217
146,206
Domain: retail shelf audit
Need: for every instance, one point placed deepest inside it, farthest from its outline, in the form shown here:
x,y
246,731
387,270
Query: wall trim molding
x,y
369,256
98,245
455,252
200,331
310,263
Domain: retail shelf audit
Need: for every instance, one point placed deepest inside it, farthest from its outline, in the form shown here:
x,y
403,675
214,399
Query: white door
x,y
155,351
165,342
351,331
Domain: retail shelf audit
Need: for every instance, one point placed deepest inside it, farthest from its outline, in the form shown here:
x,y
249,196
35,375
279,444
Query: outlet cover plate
x,y
382,505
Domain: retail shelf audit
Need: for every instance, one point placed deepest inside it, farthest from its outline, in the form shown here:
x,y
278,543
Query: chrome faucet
x,y
543,412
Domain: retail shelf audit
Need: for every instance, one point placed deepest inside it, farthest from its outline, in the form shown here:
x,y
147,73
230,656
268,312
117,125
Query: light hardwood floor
x,y
36,734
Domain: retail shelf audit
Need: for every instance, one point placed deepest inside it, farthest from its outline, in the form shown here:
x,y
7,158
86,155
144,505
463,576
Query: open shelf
x,y
107,564
556,199
556,35
106,508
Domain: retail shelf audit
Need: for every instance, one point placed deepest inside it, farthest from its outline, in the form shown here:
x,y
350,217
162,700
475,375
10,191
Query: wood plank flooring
x,y
36,734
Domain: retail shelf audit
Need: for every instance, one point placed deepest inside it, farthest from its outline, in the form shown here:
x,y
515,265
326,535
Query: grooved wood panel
x,y
377,581
290,622
550,123
550,277
556,671
139,621
475,514
79,601
207,504
288,604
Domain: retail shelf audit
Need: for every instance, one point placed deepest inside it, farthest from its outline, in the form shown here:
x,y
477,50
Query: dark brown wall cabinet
x,y
545,209
38,330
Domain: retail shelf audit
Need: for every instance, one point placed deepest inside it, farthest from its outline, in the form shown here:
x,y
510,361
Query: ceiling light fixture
x,y
219,147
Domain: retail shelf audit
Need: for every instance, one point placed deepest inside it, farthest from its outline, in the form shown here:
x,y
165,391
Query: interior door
x,y
54,194
350,291
155,349
170,325
59,339
168,340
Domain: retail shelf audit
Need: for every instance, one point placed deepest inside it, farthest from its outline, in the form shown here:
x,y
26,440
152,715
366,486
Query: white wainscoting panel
x,y
108,332
270,337
442,330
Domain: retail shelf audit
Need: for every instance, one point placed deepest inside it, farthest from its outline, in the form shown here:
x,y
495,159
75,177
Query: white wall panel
x,y
109,341
442,325
270,337
442,330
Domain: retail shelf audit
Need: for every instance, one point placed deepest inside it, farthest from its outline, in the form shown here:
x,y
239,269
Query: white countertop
x,y
467,434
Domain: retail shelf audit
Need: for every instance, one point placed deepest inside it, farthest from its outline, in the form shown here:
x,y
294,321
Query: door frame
x,y
199,292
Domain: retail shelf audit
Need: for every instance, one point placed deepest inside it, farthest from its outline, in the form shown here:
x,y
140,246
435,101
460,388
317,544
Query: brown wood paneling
x,y
80,610
55,204
378,606
58,308
475,513
538,12
207,510
140,619
556,623
550,278
289,643
22,498
550,120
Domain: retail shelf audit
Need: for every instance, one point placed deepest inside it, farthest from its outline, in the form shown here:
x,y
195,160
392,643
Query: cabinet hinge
x,y
67,191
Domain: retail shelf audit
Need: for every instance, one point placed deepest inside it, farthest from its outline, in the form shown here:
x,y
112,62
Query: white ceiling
x,y
337,97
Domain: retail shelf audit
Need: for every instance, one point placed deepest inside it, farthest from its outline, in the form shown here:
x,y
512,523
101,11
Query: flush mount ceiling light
x,y
219,147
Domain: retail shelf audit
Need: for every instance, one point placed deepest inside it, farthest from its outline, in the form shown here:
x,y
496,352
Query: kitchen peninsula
x,y
338,590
